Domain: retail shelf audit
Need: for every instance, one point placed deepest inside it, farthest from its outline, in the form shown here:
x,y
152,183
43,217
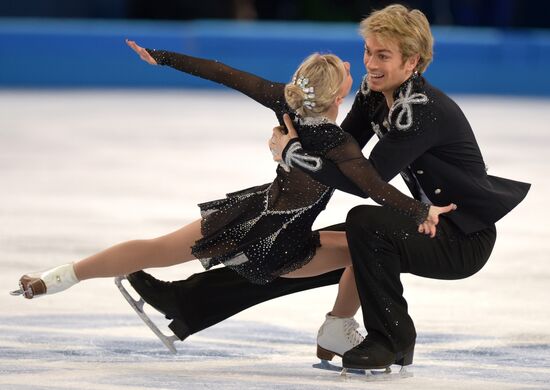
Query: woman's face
x,y
347,83
385,66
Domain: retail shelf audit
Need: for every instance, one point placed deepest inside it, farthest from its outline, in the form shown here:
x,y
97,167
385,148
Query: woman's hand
x,y
428,227
279,139
143,54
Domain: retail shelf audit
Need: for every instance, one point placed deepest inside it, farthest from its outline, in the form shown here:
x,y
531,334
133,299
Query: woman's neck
x,y
331,113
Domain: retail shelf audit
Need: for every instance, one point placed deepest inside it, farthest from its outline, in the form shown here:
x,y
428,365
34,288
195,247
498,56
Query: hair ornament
x,y
302,82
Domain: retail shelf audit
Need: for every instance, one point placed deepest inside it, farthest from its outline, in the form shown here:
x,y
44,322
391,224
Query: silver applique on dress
x,y
293,158
297,214
206,213
314,120
237,260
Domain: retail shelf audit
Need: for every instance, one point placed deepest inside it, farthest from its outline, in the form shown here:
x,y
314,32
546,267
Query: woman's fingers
x,y
433,230
132,44
143,54
427,228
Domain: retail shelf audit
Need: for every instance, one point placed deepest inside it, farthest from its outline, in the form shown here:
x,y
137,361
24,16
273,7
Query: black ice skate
x,y
375,360
164,297
168,341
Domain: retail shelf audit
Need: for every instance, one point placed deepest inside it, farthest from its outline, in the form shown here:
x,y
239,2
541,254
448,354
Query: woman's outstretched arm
x,y
265,92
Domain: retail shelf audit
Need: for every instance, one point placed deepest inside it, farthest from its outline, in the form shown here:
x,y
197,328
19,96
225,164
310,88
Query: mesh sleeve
x,y
359,170
265,92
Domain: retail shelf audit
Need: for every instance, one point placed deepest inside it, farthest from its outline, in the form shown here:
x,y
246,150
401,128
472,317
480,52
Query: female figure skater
x,y
262,232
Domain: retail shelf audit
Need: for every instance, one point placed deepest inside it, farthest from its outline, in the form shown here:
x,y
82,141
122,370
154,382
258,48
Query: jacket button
x,y
420,172
437,191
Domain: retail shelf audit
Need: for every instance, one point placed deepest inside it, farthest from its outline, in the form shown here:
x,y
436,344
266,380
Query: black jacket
x,y
426,137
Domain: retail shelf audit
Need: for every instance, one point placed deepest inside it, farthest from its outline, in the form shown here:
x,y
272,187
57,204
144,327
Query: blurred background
x,y
482,46
494,13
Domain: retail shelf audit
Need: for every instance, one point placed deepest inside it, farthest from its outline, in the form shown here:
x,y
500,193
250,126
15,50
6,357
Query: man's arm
x,y
399,148
328,174
356,123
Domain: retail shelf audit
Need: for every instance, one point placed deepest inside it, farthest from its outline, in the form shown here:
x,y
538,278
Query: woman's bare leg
x,y
131,256
334,254
347,301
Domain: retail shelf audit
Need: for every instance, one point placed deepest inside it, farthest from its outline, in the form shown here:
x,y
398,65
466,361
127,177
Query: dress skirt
x,y
241,232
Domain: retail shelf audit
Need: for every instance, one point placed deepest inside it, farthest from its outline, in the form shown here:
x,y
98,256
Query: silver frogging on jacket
x,y
406,101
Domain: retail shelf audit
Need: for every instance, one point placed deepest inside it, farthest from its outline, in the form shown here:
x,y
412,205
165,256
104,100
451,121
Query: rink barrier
x,y
49,53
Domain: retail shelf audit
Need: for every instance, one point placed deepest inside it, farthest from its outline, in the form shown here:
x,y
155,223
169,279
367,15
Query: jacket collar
x,y
415,80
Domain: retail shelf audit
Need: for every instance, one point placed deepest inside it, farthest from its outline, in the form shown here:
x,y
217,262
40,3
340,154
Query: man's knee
x,y
363,218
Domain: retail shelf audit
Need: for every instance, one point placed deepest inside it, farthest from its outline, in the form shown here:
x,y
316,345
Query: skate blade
x,y
168,341
17,292
21,291
379,375
326,365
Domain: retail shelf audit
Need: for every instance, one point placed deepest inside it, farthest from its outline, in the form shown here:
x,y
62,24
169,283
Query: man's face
x,y
384,64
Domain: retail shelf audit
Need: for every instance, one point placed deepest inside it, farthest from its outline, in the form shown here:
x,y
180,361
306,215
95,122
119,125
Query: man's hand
x,y
143,54
279,140
428,227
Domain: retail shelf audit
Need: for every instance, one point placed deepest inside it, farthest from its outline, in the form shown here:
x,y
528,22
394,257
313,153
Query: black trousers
x,y
207,298
384,244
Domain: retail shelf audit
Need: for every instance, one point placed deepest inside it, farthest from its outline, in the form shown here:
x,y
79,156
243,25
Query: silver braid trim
x,y
365,89
405,117
292,158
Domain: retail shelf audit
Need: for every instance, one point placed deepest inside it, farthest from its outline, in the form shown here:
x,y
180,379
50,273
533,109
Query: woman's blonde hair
x,y
315,84
408,28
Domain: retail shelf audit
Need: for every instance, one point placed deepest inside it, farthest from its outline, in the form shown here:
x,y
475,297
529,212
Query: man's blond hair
x,y
408,28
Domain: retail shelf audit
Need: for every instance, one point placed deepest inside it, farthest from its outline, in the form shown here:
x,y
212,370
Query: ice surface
x,y
80,171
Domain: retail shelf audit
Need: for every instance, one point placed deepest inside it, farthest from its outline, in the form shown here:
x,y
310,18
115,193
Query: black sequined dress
x,y
264,231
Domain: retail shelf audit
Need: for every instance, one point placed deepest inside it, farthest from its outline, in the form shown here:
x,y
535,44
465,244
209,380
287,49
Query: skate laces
x,y
351,333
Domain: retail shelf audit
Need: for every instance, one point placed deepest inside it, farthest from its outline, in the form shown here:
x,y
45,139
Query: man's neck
x,y
389,97
389,94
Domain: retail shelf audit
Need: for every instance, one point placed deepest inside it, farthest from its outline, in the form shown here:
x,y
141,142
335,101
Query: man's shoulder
x,y
436,97
420,107
437,109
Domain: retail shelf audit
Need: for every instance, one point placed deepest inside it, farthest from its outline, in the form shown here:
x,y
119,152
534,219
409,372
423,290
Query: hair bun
x,y
294,96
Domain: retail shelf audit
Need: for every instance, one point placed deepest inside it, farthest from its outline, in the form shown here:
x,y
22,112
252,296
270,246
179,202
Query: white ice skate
x,y
335,337
168,341
49,282
338,335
